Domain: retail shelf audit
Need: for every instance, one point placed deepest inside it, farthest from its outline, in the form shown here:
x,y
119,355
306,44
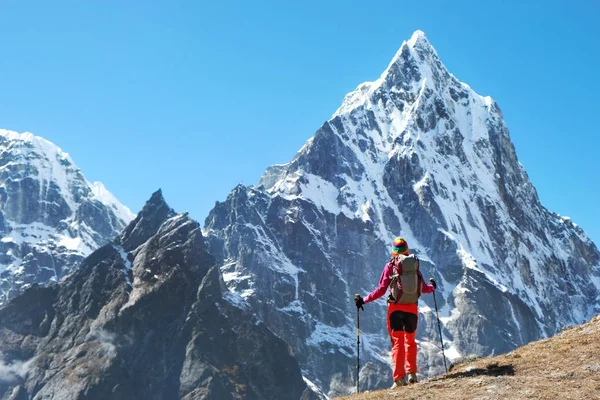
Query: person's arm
x,y
425,287
384,284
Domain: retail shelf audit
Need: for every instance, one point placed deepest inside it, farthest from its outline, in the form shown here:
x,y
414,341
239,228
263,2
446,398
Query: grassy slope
x,y
566,366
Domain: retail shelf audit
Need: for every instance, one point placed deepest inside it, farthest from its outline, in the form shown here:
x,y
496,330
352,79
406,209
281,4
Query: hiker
x,y
402,276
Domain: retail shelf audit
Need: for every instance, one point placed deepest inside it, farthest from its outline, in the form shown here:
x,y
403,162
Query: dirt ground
x,y
566,366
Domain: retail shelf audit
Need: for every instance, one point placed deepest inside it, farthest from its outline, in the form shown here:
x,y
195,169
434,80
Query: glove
x,y
359,302
433,283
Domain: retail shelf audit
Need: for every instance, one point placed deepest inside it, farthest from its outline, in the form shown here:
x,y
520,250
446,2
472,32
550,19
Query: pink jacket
x,y
384,284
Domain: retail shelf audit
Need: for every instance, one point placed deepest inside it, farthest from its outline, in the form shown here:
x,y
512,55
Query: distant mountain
x,y
51,217
146,316
418,154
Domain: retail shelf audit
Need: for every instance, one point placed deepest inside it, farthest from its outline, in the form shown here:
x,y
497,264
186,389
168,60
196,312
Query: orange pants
x,y
402,326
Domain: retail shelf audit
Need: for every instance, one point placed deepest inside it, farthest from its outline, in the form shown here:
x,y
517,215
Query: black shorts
x,y
403,321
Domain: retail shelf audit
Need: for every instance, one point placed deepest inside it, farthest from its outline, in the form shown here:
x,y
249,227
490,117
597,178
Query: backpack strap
x,y
396,266
395,277
420,276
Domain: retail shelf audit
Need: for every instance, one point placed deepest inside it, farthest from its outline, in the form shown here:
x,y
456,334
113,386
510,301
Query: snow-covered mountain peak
x,y
42,160
415,109
414,68
50,215
419,154
35,143
49,163
416,51
419,38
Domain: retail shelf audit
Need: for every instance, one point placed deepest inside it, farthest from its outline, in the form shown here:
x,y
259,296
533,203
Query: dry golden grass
x,y
566,366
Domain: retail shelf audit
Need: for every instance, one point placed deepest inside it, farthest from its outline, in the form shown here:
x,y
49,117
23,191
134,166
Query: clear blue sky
x,y
195,97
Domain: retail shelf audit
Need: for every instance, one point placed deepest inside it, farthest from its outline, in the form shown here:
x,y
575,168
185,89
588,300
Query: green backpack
x,y
405,286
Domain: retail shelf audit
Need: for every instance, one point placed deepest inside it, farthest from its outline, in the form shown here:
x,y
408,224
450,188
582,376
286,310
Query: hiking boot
x,y
412,378
398,383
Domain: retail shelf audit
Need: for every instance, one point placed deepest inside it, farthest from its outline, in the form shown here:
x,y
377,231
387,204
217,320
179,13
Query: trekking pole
x,y
440,329
357,344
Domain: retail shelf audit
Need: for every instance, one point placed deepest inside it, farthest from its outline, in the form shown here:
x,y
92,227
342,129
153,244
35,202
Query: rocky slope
x,y
146,316
51,217
418,154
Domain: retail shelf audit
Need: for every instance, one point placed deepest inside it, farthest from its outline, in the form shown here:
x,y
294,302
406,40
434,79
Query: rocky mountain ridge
x,y
146,316
418,154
